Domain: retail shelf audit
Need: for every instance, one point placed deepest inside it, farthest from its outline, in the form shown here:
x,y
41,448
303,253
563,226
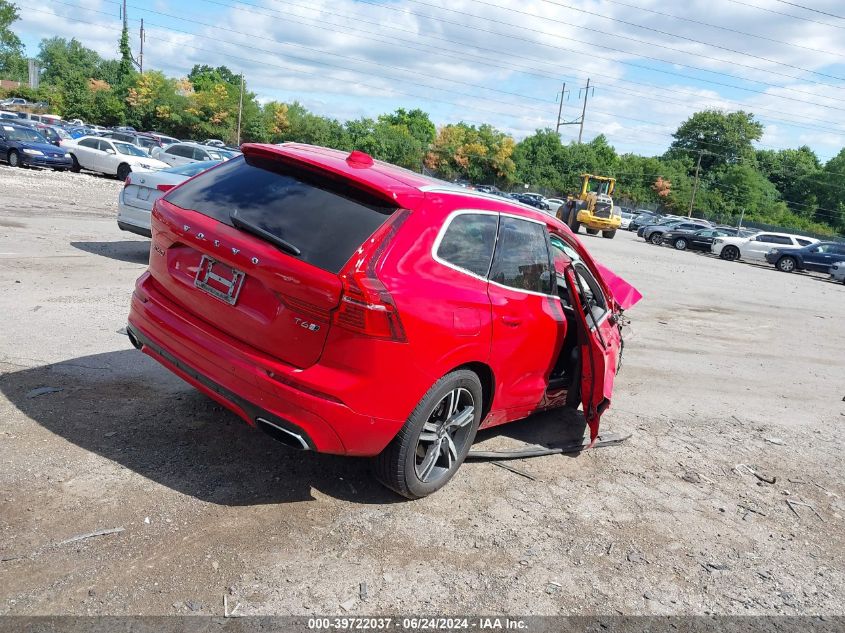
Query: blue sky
x,y
652,62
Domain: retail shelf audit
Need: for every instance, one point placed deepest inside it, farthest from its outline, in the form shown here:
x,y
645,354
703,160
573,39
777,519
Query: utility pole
x,y
741,217
240,109
584,110
695,184
560,108
141,53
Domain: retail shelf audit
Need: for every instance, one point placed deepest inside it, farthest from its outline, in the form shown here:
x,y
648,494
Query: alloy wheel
x,y
444,435
680,244
786,264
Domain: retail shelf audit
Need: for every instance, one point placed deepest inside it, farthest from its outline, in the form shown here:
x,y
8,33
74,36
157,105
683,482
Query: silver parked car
x,y
185,153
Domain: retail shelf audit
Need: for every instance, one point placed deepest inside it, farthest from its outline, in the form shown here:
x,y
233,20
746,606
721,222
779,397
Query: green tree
x,y
721,138
13,64
416,121
831,188
126,65
62,60
796,174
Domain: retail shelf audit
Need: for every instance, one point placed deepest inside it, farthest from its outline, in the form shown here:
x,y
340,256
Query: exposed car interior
x,y
567,370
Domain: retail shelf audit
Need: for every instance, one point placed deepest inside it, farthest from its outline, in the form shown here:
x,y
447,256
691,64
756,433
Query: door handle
x,y
511,321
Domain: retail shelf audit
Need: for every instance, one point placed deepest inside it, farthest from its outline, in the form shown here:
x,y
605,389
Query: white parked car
x,y
837,272
142,189
185,153
626,216
108,156
554,204
756,246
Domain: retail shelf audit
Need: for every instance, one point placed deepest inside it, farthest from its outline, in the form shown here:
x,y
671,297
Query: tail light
x,y
366,306
165,187
127,182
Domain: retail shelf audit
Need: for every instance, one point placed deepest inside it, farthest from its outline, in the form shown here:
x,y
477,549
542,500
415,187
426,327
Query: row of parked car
x,y
786,252
536,200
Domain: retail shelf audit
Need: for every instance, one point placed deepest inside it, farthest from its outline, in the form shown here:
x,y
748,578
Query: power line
x,y
801,6
681,37
381,25
723,28
612,35
321,63
788,15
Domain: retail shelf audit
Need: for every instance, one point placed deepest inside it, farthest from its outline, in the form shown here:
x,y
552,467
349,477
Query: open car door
x,y
599,341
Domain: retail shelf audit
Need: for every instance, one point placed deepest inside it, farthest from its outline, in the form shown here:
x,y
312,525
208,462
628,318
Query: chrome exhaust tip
x,y
283,435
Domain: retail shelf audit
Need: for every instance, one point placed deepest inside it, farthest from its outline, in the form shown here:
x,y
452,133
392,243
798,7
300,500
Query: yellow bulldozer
x,y
592,207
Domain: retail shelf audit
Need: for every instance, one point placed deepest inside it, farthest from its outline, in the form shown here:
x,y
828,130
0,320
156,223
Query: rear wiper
x,y
242,224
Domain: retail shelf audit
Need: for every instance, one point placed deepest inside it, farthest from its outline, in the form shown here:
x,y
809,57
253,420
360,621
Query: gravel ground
x,y
725,364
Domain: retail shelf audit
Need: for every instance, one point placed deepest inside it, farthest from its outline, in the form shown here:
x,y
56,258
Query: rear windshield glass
x,y
326,219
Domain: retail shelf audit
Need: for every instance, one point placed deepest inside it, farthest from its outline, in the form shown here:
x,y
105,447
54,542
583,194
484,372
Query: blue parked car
x,y
819,257
22,146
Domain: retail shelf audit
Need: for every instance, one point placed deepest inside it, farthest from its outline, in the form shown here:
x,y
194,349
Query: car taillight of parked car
x,y
165,187
366,305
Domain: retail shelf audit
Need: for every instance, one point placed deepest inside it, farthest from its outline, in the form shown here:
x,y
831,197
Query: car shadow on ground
x,y
130,251
549,429
126,408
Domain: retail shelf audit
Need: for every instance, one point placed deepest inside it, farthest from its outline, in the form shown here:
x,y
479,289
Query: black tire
x,y
572,220
75,166
680,244
609,235
656,238
729,253
406,465
592,231
123,171
786,264
14,158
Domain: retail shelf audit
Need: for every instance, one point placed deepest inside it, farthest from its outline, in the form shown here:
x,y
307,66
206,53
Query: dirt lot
x,y
725,364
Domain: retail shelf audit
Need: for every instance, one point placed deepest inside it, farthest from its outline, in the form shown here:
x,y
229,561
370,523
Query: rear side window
x,y
469,241
327,219
522,256
803,242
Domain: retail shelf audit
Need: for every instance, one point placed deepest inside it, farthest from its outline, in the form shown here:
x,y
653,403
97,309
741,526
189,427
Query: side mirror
x,y
110,151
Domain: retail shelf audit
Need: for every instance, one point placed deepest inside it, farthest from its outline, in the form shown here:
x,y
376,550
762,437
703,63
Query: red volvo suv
x,y
349,306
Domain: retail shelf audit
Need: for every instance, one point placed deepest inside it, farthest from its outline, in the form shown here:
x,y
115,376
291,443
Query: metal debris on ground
x,y
514,470
82,537
746,468
40,391
792,503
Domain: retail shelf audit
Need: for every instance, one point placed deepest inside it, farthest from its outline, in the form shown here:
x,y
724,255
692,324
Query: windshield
x,y
129,150
191,169
22,134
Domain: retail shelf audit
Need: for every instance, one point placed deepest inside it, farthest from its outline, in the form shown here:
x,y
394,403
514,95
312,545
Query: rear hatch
x,y
255,246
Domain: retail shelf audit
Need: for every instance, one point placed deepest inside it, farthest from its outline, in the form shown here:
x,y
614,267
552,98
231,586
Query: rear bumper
x,y
249,383
134,228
